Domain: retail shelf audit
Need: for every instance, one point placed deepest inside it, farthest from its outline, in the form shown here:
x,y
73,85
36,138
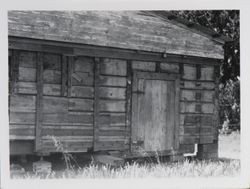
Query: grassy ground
x,y
228,164
229,146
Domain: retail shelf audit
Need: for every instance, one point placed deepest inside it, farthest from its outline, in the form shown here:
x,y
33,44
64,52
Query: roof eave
x,y
167,16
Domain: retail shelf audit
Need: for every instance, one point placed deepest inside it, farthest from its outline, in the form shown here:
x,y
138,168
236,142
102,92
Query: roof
x,y
133,30
170,17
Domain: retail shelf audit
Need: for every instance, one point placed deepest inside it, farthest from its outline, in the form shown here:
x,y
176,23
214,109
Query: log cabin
x,y
136,82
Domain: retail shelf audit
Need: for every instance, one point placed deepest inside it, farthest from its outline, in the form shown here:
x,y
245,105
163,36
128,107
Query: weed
x,y
67,157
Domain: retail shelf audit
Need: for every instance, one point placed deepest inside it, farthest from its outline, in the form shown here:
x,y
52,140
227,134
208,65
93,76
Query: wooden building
x,y
130,81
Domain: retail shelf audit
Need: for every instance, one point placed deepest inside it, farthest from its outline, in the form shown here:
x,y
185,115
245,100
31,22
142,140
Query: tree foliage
x,y
227,23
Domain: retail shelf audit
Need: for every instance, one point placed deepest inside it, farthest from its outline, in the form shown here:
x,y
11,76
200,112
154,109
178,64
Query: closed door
x,y
154,111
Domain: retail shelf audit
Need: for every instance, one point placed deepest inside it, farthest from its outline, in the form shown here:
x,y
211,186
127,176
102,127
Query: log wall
x,y
75,94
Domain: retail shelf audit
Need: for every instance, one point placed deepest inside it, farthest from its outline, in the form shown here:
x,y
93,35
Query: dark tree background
x,y
225,22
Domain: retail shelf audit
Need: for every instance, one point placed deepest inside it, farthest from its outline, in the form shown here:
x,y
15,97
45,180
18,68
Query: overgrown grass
x,y
165,170
227,165
186,168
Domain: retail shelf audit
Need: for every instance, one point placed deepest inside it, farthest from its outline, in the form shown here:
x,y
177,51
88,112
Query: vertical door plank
x,y
39,102
128,101
176,112
155,112
170,115
135,114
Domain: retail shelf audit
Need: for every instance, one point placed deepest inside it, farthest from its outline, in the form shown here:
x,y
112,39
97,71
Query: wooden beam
x,y
128,101
96,134
109,52
21,147
177,114
64,76
14,69
198,71
70,71
158,67
216,102
181,69
39,102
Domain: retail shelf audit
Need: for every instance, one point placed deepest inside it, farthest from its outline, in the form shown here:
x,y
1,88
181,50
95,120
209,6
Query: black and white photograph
x,y
123,94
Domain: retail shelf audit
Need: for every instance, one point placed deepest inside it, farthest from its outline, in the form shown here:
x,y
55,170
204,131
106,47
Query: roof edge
x,y
202,30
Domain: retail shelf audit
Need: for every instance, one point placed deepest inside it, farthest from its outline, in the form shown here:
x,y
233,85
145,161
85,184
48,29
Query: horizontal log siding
x,y
70,118
197,104
63,116
112,109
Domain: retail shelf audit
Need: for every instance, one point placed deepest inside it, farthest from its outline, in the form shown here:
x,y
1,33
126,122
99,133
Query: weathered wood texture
x,y
58,112
198,104
39,101
69,100
153,120
130,30
112,132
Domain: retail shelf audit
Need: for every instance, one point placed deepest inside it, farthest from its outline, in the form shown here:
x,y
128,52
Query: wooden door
x,y
155,105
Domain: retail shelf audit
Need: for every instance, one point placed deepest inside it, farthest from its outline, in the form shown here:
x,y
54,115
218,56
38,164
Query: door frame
x,y
135,92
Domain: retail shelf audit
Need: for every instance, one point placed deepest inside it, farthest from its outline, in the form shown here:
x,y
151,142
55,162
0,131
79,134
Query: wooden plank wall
x,y
68,111
112,105
66,114
22,107
69,117
197,104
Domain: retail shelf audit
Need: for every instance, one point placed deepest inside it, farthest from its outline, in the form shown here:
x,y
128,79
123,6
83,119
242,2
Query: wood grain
x,y
207,73
143,66
97,108
82,92
169,67
113,67
22,103
112,106
39,102
113,81
130,30
189,72
112,93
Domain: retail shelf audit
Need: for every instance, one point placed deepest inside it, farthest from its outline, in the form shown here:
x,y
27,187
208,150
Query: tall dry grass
x,y
227,165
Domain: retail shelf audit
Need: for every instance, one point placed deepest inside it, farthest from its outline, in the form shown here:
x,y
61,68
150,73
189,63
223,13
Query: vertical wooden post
x,y
198,71
158,67
181,69
128,102
70,70
14,69
177,114
97,62
64,76
216,101
39,101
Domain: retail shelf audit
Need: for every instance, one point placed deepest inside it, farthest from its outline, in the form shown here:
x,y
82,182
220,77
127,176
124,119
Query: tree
x,y
225,22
